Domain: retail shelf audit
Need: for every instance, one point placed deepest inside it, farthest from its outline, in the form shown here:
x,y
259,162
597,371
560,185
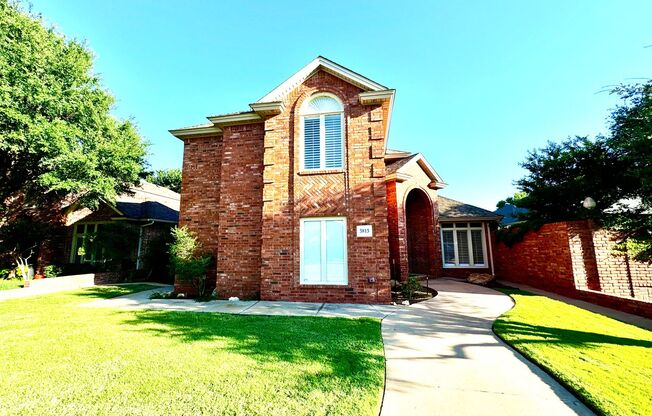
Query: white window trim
x,y
466,226
322,134
323,220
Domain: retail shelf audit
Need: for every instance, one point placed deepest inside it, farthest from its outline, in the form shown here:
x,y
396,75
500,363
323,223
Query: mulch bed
x,y
425,293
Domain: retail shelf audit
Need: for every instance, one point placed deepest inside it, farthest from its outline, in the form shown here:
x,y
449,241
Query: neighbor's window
x,y
323,251
463,244
84,249
322,120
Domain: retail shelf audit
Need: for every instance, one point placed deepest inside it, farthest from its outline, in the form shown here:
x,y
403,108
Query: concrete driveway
x,y
444,359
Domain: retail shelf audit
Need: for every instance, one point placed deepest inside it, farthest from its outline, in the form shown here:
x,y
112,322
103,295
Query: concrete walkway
x,y
442,355
141,300
444,359
47,286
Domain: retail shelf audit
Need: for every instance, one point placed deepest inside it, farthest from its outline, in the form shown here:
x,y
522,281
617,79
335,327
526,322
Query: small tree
x,y
188,261
409,287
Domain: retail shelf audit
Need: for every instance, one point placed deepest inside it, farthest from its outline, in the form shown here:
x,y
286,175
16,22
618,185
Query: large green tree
x,y
614,169
58,139
168,178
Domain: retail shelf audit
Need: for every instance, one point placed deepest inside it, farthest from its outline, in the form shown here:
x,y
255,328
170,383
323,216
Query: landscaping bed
x,y
411,291
59,357
605,362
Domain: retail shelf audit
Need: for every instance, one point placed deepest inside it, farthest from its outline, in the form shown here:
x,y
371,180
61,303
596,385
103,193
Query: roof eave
x,y
313,66
469,218
196,131
231,119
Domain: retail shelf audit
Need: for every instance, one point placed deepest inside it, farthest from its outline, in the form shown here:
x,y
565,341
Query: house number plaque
x,y
364,231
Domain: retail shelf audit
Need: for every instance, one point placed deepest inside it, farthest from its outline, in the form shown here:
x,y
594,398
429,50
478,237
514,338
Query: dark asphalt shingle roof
x,y
394,166
452,209
149,202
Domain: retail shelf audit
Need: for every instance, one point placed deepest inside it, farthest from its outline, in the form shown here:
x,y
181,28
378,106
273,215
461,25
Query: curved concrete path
x,y
444,359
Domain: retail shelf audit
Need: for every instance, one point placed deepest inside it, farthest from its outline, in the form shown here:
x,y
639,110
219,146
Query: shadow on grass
x,y
350,349
107,292
548,335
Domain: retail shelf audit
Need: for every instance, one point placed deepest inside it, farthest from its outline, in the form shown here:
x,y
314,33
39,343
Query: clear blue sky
x,y
478,83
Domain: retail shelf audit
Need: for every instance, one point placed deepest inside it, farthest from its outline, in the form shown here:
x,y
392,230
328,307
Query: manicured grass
x,y
607,363
57,357
6,284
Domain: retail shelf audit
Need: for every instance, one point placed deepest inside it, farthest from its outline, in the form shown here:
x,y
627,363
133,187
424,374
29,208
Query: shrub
x,y
52,271
188,261
410,286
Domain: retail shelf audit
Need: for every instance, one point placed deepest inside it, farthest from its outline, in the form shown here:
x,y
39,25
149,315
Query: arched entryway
x,y
420,232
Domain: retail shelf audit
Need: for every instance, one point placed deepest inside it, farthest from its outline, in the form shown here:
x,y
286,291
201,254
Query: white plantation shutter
x,y
333,141
311,144
323,145
476,243
323,251
463,245
448,246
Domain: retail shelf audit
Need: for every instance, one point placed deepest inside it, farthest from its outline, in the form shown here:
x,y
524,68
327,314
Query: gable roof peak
x,y
320,62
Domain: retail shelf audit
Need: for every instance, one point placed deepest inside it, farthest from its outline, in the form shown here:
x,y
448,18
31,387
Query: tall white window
x,y
322,128
463,244
323,251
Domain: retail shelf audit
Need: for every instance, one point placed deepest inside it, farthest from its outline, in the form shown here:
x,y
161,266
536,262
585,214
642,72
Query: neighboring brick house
x,y
136,221
299,199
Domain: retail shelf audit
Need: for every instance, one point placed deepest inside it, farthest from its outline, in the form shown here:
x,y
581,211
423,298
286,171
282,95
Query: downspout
x,y
140,244
491,251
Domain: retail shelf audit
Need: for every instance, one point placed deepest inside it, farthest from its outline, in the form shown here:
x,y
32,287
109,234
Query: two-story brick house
x,y
299,198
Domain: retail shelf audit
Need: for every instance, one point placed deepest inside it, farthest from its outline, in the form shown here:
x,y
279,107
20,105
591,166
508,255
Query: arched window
x,y
322,130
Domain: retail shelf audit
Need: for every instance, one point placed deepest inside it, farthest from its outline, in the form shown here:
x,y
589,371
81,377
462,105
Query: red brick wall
x,y
200,193
240,230
541,259
357,193
420,233
248,181
576,260
393,224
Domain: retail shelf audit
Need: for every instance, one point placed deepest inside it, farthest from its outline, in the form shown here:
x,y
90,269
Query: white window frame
x,y
322,132
460,226
323,220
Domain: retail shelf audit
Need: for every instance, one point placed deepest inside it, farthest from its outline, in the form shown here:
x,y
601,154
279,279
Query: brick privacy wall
x,y
576,260
357,193
542,259
104,278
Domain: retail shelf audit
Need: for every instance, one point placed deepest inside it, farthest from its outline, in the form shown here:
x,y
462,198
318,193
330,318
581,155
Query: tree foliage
x,y
168,178
614,169
58,139
188,260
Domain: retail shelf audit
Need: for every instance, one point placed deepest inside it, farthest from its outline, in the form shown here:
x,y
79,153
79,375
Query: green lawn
x,y
6,284
605,362
57,357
